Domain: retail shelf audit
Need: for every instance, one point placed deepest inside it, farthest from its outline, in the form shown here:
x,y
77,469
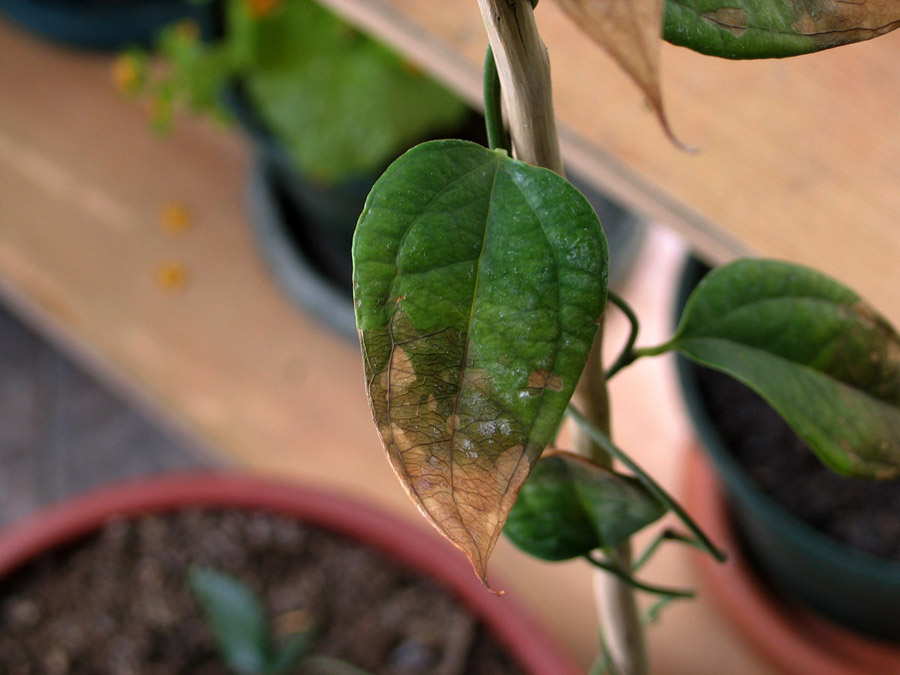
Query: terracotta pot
x,y
410,547
793,639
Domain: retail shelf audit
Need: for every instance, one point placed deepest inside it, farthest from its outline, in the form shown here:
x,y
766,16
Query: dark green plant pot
x,y
304,256
104,24
852,588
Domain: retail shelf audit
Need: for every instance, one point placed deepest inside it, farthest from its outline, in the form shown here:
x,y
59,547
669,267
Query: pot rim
x,y
421,551
790,637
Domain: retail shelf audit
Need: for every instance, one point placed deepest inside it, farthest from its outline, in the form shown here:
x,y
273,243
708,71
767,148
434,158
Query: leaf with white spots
x,y
478,283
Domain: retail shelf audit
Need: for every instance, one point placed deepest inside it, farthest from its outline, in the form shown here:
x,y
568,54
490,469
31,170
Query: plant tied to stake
x,y
480,288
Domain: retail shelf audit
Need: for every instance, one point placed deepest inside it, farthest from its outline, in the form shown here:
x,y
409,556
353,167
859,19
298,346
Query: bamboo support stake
x,y
619,615
524,68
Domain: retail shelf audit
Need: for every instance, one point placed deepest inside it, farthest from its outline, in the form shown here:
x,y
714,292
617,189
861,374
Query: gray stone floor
x,y
61,432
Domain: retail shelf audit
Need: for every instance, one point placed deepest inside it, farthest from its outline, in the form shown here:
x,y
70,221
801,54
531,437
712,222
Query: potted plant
x,y
806,530
480,281
98,584
328,109
103,24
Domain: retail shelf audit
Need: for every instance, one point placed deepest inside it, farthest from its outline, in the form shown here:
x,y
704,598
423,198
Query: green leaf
x,y
570,506
236,618
288,653
754,29
478,284
342,103
817,353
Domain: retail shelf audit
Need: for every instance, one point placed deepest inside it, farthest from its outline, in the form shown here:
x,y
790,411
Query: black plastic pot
x,y
104,24
852,588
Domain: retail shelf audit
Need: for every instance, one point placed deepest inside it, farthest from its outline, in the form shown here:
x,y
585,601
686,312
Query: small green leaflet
x,y
570,506
478,283
236,617
756,29
817,353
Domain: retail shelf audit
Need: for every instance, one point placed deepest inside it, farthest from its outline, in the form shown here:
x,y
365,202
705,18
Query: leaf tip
x,y
482,577
669,132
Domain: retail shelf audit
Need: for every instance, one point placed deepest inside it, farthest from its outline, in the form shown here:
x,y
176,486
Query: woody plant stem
x,y
524,69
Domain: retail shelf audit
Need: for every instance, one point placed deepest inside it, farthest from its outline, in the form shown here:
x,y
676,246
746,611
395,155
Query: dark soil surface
x,y
117,603
862,513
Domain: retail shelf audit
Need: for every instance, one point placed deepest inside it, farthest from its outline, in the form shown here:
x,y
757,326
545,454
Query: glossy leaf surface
x,y
752,29
478,284
817,353
569,507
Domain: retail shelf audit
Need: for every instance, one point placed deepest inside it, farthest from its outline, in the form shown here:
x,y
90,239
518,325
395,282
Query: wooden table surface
x,y
226,357
797,157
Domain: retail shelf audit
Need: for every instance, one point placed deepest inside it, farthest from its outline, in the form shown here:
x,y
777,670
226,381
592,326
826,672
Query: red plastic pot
x,y
793,639
419,551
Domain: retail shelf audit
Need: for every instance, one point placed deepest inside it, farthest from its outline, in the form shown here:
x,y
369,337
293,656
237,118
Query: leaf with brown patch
x,y
478,281
753,29
820,356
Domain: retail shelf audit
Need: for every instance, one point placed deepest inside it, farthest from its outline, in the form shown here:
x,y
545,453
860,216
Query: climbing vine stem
x,y
493,109
601,439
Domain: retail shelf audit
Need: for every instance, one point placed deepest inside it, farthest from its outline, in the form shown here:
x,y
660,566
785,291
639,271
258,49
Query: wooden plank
x,y
797,157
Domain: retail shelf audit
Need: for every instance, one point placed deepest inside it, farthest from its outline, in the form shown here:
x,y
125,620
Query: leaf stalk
x,y
628,355
648,482
618,572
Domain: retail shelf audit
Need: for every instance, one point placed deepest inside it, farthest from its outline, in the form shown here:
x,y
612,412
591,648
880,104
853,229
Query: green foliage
x,y
570,506
820,356
340,102
478,280
738,29
238,621
478,283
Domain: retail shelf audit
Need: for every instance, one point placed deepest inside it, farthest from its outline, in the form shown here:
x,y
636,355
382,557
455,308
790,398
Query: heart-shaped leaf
x,y
755,29
817,353
478,282
570,506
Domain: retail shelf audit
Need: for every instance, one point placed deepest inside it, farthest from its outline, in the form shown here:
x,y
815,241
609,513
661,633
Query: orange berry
x,y
126,74
175,218
172,276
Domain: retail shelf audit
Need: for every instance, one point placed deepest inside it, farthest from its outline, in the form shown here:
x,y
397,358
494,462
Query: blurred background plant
x,y
247,642
341,103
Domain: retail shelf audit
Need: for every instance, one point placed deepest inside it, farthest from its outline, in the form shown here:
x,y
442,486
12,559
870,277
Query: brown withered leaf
x,y
630,31
830,23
